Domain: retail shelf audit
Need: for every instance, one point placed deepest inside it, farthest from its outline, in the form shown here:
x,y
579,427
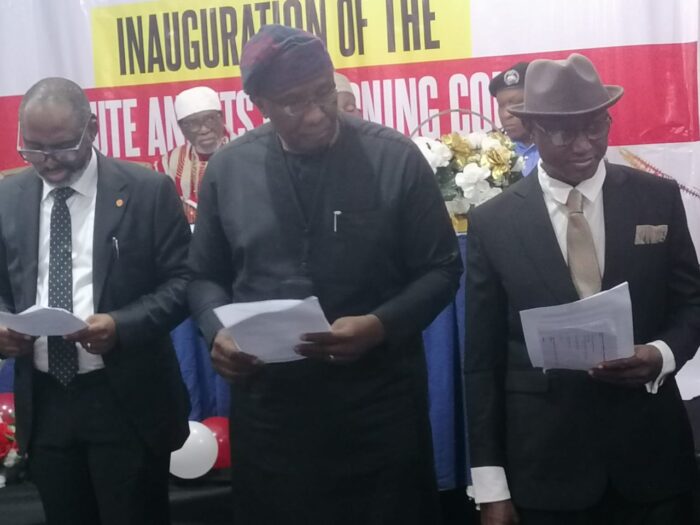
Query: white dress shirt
x,y
82,212
490,483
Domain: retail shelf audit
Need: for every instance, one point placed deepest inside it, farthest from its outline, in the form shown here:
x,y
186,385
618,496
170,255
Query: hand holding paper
x,y
42,321
644,366
348,340
228,361
18,331
271,330
13,344
99,336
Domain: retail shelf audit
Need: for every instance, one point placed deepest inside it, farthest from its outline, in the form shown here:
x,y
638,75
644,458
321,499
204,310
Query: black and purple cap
x,y
278,58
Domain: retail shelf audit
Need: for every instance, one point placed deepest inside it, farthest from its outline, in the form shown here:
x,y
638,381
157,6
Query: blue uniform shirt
x,y
530,156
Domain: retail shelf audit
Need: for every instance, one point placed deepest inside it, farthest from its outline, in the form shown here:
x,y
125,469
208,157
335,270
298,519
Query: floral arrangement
x,y
9,456
7,439
471,169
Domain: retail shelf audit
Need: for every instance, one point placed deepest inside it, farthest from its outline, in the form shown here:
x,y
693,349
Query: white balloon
x,y
197,455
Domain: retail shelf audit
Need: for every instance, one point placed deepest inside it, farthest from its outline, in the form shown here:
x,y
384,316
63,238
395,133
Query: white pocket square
x,y
650,234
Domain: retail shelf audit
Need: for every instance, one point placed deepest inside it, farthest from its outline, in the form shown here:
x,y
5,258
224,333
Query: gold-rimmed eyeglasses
x,y
59,154
297,108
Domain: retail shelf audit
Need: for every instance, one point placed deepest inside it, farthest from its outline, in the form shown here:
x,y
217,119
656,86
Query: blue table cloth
x,y
6,375
444,343
444,350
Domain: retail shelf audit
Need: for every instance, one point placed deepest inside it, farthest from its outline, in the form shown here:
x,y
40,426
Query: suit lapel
x,y
28,209
619,228
534,228
111,203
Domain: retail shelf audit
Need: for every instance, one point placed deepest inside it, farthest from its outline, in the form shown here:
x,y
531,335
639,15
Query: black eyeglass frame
x,y
210,122
565,137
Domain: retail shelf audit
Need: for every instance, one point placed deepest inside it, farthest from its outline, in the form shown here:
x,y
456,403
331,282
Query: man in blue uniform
x,y
507,87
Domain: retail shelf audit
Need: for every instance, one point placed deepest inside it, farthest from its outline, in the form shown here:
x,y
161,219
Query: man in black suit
x,y
98,411
613,444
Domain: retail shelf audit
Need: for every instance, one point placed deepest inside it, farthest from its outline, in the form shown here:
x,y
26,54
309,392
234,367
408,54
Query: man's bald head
x,y
57,91
57,130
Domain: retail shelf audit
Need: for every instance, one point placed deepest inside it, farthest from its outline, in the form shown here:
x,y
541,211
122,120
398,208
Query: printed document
x,y
579,335
270,330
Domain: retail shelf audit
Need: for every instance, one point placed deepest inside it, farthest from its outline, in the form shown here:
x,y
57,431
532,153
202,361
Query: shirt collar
x,y
559,191
85,184
521,148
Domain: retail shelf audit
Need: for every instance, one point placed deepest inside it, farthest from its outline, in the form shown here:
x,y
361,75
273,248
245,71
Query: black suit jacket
x,y
561,436
141,285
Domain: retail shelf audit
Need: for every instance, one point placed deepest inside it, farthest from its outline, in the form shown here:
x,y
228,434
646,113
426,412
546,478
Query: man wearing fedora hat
x,y
611,445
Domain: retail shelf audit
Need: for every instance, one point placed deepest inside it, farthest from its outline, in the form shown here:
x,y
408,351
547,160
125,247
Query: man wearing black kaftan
x,y
314,203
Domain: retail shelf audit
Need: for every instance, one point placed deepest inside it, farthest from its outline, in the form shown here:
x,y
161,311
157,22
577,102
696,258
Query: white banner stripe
x,y
506,27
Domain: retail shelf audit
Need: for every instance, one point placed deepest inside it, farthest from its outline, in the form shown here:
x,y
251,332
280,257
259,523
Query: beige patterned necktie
x,y
583,263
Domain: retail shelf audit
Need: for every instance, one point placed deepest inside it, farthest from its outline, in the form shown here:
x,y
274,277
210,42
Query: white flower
x,y
490,193
475,138
435,152
490,143
519,165
11,459
472,181
458,206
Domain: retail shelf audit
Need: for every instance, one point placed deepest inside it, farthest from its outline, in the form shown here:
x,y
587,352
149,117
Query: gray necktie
x,y
583,263
63,356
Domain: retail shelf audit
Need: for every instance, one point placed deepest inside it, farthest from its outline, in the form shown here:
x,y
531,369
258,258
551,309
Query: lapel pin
x,y
119,203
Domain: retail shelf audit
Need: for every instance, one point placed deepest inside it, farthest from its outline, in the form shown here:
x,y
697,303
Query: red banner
x,y
659,106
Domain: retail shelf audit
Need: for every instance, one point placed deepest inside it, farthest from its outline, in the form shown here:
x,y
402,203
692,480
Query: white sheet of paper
x,y
42,321
688,378
581,334
270,330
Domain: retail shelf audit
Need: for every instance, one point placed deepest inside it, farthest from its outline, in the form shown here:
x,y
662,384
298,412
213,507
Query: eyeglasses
x,y
61,155
563,137
295,109
211,121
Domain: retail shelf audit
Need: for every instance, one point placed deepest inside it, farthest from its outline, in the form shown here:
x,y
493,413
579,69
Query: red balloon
x,y
220,429
7,407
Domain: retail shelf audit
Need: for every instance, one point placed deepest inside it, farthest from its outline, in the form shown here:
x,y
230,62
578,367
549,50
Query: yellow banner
x,y
179,40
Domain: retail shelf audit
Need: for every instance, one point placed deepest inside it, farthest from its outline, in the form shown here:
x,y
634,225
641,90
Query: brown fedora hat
x,y
555,88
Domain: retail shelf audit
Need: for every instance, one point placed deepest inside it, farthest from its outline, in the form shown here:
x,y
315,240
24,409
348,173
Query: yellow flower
x,y
463,152
498,161
491,155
